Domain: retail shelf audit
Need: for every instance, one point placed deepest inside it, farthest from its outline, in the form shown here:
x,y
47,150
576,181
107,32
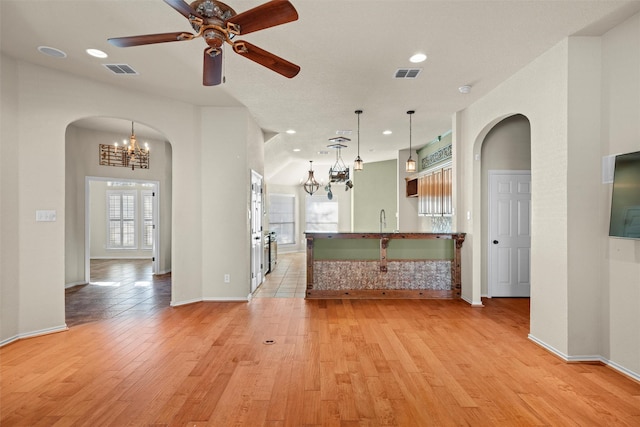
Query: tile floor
x,y
127,288
287,280
116,288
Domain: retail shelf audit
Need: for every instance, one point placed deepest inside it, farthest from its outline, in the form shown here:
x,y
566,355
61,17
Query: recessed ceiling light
x,y
296,150
291,131
52,51
418,57
387,132
97,53
465,89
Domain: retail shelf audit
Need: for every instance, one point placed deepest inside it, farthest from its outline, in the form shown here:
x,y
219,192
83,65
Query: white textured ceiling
x,y
348,51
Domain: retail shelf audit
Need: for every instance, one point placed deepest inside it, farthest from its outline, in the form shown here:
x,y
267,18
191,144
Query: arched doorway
x,y
505,208
137,240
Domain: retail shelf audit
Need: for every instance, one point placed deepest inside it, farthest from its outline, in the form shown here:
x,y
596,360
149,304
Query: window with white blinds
x,y
121,219
147,219
321,214
282,213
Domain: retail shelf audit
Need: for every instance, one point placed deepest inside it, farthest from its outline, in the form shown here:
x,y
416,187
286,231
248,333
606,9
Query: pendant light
x,y
311,185
358,164
411,164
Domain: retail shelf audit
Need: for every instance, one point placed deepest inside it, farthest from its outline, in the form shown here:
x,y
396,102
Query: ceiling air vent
x,y
407,73
121,69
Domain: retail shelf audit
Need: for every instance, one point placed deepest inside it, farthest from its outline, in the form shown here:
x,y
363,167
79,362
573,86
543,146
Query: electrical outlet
x,y
227,278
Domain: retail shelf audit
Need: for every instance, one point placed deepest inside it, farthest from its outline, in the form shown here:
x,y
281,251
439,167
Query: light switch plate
x,y
45,215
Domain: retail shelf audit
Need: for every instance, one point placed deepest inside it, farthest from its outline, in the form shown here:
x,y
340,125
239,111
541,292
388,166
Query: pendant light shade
x,y
411,164
358,164
311,185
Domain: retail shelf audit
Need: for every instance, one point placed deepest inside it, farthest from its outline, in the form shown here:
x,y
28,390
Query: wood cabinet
x,y
434,191
412,187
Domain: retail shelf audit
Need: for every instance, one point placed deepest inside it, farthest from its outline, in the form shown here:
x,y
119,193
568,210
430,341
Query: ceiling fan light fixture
x,y
410,166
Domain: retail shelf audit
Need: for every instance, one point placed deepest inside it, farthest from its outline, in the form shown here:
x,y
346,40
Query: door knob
x,y
495,242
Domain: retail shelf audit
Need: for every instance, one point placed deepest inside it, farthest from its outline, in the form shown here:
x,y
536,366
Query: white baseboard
x,y
185,302
34,334
226,299
586,359
162,272
121,257
72,284
471,303
215,299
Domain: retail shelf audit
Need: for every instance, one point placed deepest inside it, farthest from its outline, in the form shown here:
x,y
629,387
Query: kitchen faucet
x,y
383,219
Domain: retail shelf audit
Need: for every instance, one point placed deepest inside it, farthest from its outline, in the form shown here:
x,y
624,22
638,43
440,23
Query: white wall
x,y
207,186
539,92
620,133
9,212
582,98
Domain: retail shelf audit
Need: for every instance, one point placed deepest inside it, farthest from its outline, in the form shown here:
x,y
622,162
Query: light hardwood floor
x,y
292,362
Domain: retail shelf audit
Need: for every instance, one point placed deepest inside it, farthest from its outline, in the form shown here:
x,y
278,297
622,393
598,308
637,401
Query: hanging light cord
x,y
358,132
410,113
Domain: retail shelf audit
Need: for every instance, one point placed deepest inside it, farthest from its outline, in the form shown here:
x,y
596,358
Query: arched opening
x,y
118,222
505,208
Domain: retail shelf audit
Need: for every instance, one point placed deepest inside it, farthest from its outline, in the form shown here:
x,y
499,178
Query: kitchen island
x,y
383,265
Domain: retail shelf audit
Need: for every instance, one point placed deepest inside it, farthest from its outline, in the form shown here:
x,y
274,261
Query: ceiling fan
x,y
218,23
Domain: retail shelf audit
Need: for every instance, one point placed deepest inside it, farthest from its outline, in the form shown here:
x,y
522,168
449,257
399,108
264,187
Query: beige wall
x,y
210,173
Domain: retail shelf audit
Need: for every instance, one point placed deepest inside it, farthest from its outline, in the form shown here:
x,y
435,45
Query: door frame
x,y
256,281
490,213
155,251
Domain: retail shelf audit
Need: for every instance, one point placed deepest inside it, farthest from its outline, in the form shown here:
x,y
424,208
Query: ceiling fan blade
x,y
149,39
267,15
267,59
212,73
184,8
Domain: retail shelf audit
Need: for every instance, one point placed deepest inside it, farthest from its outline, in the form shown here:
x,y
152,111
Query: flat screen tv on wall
x,y
625,200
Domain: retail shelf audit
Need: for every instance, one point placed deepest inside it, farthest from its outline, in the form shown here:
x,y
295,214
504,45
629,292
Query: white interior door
x,y
256,230
509,234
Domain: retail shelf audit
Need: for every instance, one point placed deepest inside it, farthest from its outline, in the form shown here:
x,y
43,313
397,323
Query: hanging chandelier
x,y
132,152
311,185
339,172
411,164
358,164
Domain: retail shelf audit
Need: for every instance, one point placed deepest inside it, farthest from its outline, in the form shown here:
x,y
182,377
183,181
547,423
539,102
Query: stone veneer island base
x,y
383,265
